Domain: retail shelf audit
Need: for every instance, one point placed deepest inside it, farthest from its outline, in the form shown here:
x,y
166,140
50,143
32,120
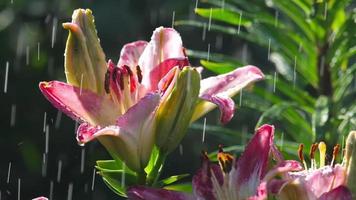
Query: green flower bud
x,y
176,110
85,64
350,156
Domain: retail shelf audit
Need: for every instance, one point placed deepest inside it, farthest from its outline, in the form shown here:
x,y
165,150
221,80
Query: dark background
x,y
25,24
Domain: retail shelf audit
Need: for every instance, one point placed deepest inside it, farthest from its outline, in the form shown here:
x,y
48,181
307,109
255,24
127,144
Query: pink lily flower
x,y
326,182
234,179
124,105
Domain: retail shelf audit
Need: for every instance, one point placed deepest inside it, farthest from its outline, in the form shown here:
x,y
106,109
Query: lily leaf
x,y
224,15
183,187
219,68
172,179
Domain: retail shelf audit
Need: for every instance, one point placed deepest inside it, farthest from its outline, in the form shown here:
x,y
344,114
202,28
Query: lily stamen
x,y
312,155
225,160
322,152
301,156
335,152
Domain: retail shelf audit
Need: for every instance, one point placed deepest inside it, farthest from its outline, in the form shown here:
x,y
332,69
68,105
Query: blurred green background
x,y
32,42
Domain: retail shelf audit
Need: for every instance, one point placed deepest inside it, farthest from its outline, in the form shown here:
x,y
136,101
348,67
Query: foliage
x,y
310,92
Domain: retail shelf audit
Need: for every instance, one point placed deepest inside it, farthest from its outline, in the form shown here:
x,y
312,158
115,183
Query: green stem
x,y
153,176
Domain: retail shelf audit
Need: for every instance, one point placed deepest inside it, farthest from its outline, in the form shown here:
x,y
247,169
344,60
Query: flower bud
x,y
350,156
85,64
176,109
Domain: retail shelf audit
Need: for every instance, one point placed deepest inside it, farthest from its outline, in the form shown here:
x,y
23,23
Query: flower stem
x,y
153,176
141,177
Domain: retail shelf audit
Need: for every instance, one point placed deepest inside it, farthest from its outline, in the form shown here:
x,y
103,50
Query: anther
x,y
301,156
225,160
107,82
322,152
335,152
312,155
139,73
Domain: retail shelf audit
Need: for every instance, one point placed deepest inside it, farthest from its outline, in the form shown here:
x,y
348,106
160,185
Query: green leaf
x,y
223,15
153,158
172,179
219,68
118,181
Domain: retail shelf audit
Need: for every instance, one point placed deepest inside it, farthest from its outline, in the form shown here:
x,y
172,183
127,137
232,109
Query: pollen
x,y
322,152
225,160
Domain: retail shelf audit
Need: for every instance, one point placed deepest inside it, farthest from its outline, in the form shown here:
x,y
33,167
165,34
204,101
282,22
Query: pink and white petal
x,y
283,168
80,104
131,53
251,166
323,179
203,186
261,193
158,73
146,193
225,86
339,193
132,139
165,43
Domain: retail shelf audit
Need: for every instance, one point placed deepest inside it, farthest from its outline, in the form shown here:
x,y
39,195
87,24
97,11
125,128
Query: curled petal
x,y
283,167
80,104
132,139
339,193
146,193
165,43
40,198
131,53
225,86
163,68
251,166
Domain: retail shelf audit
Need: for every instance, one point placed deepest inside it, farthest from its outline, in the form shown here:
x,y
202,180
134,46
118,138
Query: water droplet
x,y
239,26
13,115
82,160
59,171
240,102
269,48
93,180
6,76
70,191
44,121
18,189
173,16
8,173
27,55
58,119
210,15
203,137
181,149
51,186
47,139
204,32
38,51
54,30
208,55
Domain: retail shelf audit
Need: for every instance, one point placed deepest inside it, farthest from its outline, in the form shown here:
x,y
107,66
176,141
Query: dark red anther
x,y
107,82
139,73
121,79
128,70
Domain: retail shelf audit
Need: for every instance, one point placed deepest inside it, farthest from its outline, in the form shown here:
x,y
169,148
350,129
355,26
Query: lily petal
x,y
218,90
146,193
132,139
323,180
131,53
202,180
251,166
80,104
165,43
339,193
